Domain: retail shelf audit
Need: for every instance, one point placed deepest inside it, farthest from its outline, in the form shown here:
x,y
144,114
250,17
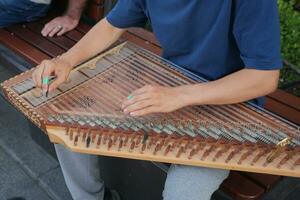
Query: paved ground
x,y
26,170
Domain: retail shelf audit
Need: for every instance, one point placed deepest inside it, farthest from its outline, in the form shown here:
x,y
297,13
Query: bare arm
x,y
75,8
62,24
240,86
100,37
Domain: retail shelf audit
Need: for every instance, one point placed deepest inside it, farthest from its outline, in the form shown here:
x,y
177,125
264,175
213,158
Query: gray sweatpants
x,y
82,176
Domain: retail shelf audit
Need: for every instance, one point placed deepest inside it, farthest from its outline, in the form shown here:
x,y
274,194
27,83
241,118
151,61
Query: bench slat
x,y
267,181
145,35
62,41
283,110
241,188
36,40
74,35
27,51
286,98
83,28
147,45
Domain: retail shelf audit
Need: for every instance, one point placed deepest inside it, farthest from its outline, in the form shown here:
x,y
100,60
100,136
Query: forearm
x,y
100,37
75,8
240,86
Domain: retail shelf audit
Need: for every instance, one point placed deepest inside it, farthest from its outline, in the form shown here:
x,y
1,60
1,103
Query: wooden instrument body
x,y
84,114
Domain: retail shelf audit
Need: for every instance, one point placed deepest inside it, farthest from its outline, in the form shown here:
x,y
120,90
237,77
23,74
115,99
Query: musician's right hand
x,y
58,67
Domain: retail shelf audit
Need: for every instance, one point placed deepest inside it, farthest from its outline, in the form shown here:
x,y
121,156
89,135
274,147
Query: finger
x,y
34,77
62,31
59,80
54,31
145,111
48,69
135,99
142,90
37,76
47,28
138,106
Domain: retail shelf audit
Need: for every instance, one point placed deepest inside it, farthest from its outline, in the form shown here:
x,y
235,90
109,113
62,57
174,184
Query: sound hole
x,y
85,101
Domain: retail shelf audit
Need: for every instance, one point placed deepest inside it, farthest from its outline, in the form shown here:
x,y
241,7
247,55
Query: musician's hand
x,y
57,67
153,99
60,25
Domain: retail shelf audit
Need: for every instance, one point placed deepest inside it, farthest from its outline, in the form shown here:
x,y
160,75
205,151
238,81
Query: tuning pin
x,y
88,141
232,153
120,145
208,151
286,158
167,149
245,155
84,136
180,151
110,143
76,140
262,152
132,146
71,135
99,141
143,147
157,148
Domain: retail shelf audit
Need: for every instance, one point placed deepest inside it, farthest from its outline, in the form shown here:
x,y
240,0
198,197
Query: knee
x,y
186,182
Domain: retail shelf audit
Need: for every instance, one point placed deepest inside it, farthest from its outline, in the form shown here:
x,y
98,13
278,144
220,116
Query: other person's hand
x,y
59,25
153,99
57,67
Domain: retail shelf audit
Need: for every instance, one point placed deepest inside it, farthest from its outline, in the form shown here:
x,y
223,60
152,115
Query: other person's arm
x,y
62,24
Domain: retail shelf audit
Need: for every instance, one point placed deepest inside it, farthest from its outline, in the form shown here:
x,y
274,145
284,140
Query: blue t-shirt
x,y
210,38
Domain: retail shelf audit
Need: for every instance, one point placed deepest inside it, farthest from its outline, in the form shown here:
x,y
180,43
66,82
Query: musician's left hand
x,y
153,99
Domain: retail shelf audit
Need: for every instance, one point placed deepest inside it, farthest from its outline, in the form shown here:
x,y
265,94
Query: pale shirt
x,y
41,1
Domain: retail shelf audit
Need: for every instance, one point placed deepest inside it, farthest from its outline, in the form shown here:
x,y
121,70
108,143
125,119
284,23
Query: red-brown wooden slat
x,y
74,35
267,181
241,188
283,110
83,28
145,35
27,51
147,45
62,41
36,40
286,98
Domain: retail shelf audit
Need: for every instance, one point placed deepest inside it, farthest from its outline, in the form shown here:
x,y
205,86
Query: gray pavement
x,y
26,170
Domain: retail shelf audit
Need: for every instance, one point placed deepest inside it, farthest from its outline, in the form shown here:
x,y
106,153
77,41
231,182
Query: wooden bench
x,y
26,41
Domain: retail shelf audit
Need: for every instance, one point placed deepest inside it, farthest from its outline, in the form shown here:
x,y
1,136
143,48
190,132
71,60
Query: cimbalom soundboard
x,y
85,115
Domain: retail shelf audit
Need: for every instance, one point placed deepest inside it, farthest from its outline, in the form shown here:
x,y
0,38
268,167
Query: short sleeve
x,y
257,33
127,13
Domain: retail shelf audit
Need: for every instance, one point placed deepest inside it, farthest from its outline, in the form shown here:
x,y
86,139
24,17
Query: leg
x,y
192,183
16,11
81,173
